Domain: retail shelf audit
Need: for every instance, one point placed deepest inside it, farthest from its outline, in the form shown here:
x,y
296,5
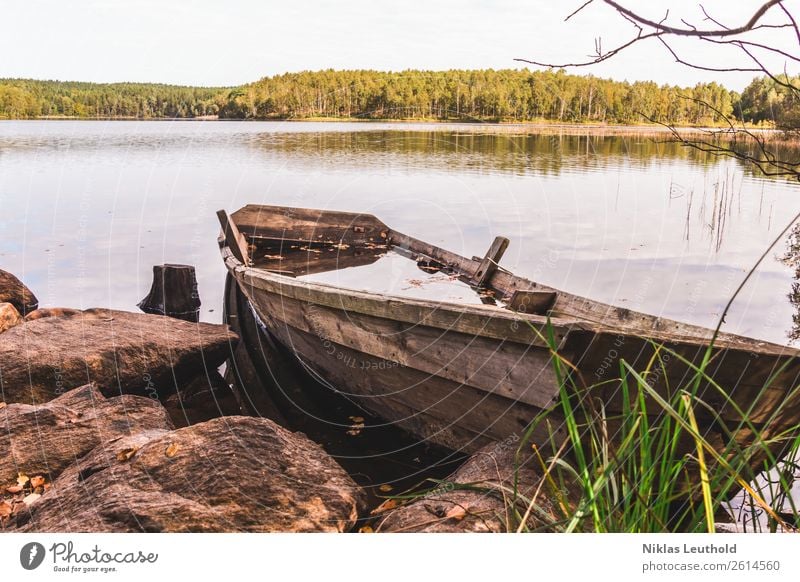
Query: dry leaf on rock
x,y
126,454
3,405
171,450
456,512
5,509
386,488
37,481
22,480
385,506
366,529
14,489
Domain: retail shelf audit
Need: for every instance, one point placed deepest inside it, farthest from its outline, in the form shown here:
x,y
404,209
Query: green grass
x,y
640,472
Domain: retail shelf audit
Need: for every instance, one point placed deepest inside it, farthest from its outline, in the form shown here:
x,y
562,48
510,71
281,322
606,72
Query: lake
x,y
89,206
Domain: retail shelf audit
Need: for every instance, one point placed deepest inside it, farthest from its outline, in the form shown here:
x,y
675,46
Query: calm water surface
x,y
88,207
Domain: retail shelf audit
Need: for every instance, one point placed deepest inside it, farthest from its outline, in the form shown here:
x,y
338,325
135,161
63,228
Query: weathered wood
x,y
14,291
538,302
173,293
490,262
435,409
234,239
286,226
522,373
226,475
121,352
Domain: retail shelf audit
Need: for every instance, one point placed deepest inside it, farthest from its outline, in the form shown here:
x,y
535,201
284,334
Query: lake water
x,y
89,206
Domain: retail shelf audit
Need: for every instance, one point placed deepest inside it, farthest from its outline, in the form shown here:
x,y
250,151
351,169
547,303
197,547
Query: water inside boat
x,y
370,268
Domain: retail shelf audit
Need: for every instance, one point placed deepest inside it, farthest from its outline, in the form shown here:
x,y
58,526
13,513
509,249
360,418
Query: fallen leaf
x,y
386,488
366,529
126,454
5,509
385,506
355,428
356,418
3,405
14,489
172,449
31,499
456,512
37,481
22,479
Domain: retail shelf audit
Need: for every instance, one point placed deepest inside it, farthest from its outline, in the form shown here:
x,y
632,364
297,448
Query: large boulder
x,y
9,317
225,475
44,439
122,352
479,497
14,291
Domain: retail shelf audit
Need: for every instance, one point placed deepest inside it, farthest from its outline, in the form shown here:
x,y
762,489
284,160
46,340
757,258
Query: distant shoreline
x,y
501,127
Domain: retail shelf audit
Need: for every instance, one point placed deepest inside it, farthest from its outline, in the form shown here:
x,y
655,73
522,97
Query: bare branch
x,y
694,31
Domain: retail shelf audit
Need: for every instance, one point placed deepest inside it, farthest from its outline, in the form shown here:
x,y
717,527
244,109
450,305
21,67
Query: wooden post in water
x,y
173,293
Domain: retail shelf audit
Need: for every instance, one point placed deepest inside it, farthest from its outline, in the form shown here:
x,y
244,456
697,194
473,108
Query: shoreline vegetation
x,y
464,96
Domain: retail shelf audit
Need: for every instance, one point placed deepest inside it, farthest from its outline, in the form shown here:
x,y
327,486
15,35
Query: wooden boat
x,y
463,376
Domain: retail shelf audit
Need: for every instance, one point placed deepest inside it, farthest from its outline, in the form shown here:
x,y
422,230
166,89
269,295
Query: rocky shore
x,y
102,432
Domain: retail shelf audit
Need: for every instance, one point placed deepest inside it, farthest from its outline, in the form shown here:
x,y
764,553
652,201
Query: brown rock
x,y
485,504
14,291
228,474
128,353
205,397
51,312
46,438
9,317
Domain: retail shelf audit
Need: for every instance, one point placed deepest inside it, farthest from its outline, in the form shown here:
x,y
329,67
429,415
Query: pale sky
x,y
230,42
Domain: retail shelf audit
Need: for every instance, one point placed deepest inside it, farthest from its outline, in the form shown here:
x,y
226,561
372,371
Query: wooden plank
x,y
477,320
510,370
490,262
233,238
285,225
538,302
446,412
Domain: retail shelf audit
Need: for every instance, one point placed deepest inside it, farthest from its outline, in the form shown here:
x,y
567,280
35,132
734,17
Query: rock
x,y
9,317
123,353
487,507
51,312
204,398
46,438
14,291
228,474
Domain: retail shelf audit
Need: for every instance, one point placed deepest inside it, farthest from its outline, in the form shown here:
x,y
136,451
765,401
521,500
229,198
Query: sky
x,y
231,42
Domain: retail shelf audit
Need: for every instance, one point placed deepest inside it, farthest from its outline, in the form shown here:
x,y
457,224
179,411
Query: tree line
x,y
481,95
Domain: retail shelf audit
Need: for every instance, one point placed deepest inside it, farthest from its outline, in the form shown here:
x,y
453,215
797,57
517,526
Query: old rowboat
x,y
463,375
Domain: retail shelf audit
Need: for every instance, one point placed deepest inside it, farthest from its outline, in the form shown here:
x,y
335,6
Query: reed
x,y
632,473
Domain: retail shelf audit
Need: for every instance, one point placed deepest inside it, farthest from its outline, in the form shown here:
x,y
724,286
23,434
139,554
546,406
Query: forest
x,y
476,95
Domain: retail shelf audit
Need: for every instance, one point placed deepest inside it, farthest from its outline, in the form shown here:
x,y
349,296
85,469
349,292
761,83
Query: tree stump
x,y
173,293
